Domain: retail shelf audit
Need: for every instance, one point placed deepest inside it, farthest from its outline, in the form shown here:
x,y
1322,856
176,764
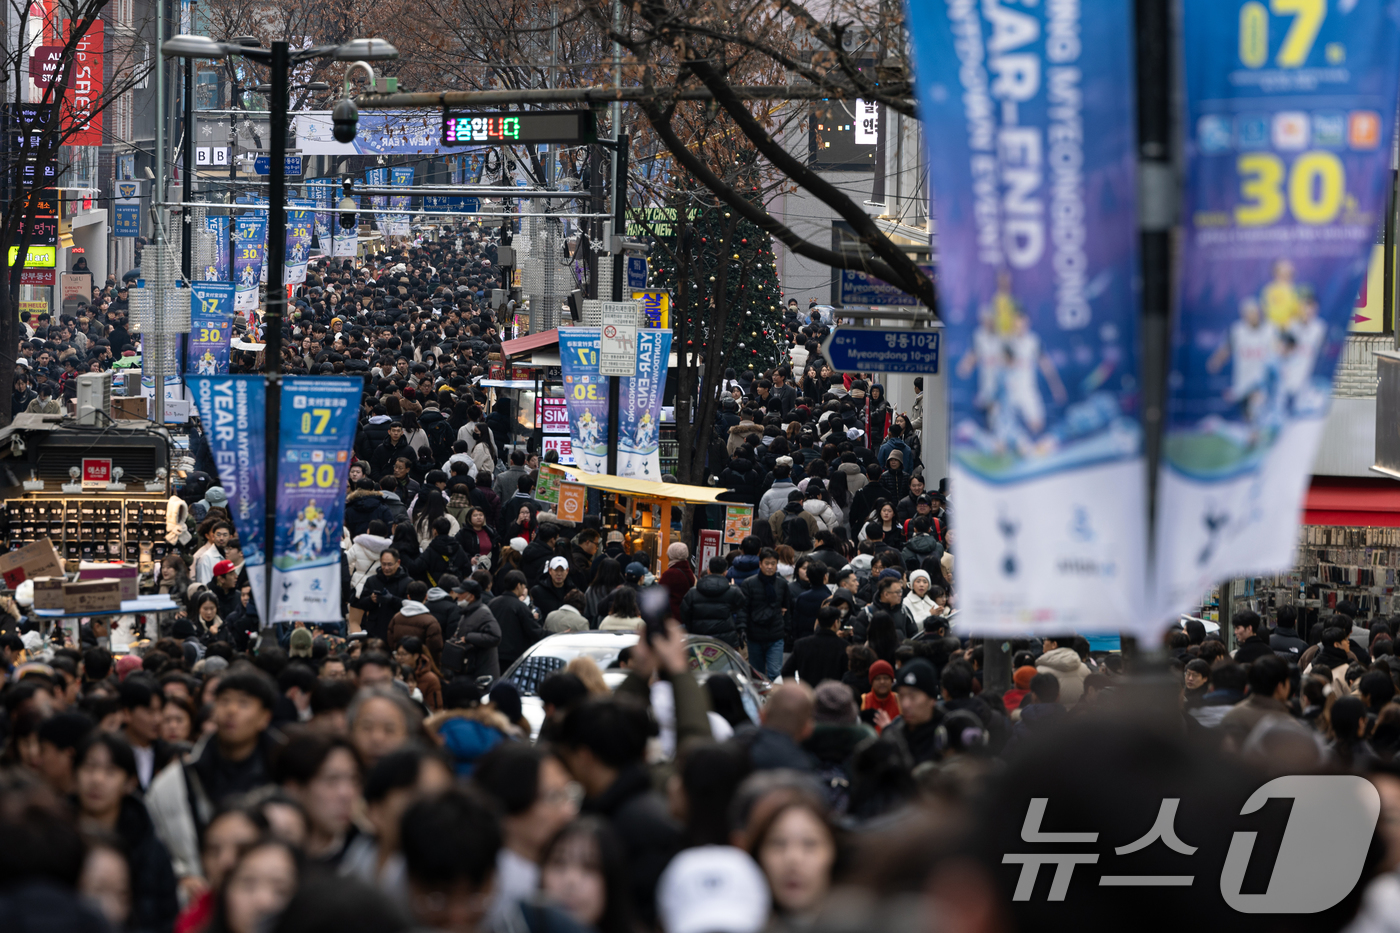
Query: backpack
x,y
441,436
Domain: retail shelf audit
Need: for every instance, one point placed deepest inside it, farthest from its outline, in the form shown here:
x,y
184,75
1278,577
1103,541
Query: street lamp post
x,y
280,60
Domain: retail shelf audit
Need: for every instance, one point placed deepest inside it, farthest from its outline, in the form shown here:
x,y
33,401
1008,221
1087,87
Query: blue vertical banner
x,y
249,249
322,191
397,224
317,430
378,178
1289,125
231,410
298,245
1034,181
127,220
217,271
586,393
211,328
347,239
639,407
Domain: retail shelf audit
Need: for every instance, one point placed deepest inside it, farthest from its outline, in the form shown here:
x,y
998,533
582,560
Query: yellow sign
x,y
656,308
1368,317
38,257
34,307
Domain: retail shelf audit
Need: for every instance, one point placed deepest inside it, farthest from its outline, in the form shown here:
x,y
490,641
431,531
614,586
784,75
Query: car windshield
x,y
536,667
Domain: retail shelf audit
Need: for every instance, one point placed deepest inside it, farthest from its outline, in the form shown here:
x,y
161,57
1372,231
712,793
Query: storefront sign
x,y
97,472
573,502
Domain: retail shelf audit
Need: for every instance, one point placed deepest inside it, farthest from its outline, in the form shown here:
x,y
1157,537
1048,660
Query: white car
x,y
708,657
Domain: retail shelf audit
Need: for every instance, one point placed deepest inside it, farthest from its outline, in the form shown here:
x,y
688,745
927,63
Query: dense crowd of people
x,y
381,774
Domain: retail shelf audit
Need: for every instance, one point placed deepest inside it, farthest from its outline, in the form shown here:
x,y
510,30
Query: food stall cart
x,y
642,510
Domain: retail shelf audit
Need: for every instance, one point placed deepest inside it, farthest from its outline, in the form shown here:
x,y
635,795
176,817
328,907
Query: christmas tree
x,y
708,244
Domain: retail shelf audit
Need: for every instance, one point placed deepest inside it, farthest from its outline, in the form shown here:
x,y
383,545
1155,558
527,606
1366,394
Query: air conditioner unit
x,y
94,395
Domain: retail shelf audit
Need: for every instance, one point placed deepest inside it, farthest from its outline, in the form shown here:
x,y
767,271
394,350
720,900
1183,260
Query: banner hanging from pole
x,y
586,393
397,224
639,408
322,191
231,408
318,417
1035,182
211,328
298,245
217,271
1289,124
250,247
378,178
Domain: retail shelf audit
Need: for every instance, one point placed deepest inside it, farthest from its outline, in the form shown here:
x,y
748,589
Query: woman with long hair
x,y
624,615
413,654
429,507
882,637
607,576
522,524
584,871
510,560
258,887
413,432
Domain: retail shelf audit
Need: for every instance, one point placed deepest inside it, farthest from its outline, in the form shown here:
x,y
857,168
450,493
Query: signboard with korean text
x,y
298,244
127,220
738,523
249,251
656,308
211,328
617,348
97,472
586,394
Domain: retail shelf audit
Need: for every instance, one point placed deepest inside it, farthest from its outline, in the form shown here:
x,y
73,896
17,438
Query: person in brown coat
x,y
416,620
426,676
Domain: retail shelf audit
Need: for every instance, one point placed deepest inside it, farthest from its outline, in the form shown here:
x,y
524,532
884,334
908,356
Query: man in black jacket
x,y
1284,640
443,556
763,617
538,552
520,624
916,729
821,655
383,593
710,608
381,460
548,595
1251,645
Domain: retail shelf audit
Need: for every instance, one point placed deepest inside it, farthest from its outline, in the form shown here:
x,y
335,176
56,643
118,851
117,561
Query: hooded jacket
x,y
823,512
363,506
744,566
918,548
467,734
444,608
740,433
363,558
710,609
1064,663
444,555
415,620
391,591
743,477
795,510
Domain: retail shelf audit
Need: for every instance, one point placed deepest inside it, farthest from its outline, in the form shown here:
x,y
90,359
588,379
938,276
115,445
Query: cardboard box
x,y
33,560
92,596
127,576
48,592
128,409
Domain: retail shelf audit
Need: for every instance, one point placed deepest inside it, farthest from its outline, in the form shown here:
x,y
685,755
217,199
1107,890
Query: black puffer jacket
x,y
709,608
765,599
743,477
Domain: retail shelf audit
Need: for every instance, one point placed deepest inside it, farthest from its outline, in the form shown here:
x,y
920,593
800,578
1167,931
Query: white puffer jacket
x,y
825,514
363,555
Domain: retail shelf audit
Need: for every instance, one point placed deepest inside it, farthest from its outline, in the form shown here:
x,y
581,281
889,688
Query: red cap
x,y
223,567
881,667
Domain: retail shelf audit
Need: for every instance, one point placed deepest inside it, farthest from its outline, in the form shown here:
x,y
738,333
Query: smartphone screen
x,y
655,603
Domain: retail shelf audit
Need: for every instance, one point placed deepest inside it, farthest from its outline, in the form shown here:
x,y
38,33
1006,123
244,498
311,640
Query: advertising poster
x,y
211,328
397,224
738,523
299,220
127,219
347,239
322,191
231,409
316,433
217,271
1290,118
639,408
249,250
587,395
547,487
377,178
1035,178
